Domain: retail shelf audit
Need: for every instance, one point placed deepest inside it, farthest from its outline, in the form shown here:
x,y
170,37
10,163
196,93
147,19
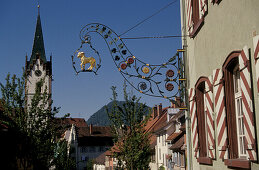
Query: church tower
x,y
37,68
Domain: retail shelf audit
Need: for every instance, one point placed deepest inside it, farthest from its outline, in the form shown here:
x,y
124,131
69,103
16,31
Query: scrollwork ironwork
x,y
157,80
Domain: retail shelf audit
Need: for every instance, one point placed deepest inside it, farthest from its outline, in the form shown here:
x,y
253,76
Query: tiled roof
x,y
178,144
78,122
96,131
100,159
161,123
153,141
173,136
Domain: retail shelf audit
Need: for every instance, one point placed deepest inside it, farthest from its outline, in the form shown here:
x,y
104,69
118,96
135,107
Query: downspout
x,y
186,75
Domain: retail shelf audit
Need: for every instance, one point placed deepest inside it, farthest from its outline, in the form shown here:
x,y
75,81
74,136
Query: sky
x,y
84,94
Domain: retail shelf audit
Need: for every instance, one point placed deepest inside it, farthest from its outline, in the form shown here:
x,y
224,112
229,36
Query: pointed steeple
x,y
38,43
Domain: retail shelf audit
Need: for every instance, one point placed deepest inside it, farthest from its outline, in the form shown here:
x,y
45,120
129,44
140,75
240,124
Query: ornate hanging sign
x,y
165,80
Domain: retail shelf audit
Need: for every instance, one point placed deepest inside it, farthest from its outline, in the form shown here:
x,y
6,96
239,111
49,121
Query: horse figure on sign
x,y
85,60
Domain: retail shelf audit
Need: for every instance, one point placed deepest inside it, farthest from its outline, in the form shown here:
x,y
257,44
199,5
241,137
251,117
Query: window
x,y
92,149
233,97
38,87
83,149
239,113
201,116
202,106
101,149
195,13
159,154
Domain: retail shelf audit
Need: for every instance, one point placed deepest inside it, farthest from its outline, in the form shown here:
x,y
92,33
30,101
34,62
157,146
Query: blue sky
x,y
62,21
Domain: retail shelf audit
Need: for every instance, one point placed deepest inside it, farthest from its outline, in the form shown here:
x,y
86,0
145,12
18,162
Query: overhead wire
x,y
168,36
149,17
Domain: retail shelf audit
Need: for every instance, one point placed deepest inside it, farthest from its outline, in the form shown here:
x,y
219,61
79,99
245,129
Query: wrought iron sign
x,y
165,80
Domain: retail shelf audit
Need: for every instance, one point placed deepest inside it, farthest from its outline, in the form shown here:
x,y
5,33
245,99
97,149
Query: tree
x,y
132,148
33,127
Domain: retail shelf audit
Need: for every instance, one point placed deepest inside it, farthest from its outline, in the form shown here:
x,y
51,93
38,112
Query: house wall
x,y
99,167
86,153
228,26
162,150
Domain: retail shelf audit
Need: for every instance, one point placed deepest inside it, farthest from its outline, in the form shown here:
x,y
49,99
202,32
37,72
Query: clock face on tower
x,y
38,73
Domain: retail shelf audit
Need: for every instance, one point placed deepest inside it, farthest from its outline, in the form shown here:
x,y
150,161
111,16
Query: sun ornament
x,y
145,70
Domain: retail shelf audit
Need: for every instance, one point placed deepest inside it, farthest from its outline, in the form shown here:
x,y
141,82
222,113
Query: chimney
x,y
91,129
159,109
178,101
155,111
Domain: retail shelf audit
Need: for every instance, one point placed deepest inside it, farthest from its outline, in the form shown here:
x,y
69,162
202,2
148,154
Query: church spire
x,y
38,43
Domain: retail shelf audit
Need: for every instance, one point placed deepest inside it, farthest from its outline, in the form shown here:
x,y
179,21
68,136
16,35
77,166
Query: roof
x,y
178,144
38,43
161,123
100,159
99,136
153,141
78,122
173,136
96,131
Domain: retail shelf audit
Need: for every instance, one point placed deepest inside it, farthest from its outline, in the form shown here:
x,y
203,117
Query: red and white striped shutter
x,y
245,81
210,118
256,57
203,7
193,122
220,111
188,7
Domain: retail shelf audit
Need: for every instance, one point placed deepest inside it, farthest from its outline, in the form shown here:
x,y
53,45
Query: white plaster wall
x,y
228,26
162,147
99,167
32,79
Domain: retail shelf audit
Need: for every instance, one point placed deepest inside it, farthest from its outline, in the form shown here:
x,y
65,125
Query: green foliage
x,y
89,164
62,160
31,125
127,125
161,167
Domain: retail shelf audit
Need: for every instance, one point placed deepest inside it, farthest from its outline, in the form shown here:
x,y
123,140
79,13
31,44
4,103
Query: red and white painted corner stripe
x,y
193,122
218,91
202,7
188,7
247,102
210,119
256,57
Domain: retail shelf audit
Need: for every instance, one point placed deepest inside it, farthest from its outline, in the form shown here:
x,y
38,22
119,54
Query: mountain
x,y
100,118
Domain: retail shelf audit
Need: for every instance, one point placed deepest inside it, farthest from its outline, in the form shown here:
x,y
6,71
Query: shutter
x,y
193,122
203,7
188,7
245,79
219,95
256,57
210,118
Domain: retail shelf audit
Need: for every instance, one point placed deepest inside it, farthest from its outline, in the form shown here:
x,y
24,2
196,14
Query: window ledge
x,y
197,27
205,160
238,163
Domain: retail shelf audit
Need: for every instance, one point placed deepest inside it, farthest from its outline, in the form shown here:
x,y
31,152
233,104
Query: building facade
x,y
220,38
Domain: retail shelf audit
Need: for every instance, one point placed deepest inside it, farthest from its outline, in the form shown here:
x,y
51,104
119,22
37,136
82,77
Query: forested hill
x,y
100,118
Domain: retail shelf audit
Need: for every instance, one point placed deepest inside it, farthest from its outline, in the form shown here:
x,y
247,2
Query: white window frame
x,y
205,123
239,114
